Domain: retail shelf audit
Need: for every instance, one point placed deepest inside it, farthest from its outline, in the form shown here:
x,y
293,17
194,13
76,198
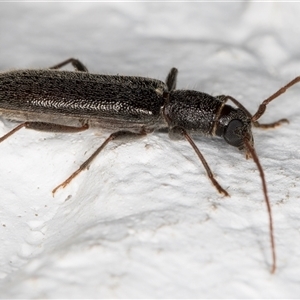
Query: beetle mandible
x,y
65,101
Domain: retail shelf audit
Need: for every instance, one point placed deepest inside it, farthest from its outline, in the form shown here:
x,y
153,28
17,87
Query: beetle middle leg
x,y
122,134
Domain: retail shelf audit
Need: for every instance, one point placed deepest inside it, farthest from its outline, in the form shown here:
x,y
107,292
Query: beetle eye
x,y
233,133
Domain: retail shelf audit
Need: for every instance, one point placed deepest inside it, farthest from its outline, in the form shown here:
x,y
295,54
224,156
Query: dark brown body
x,y
73,98
110,102
53,100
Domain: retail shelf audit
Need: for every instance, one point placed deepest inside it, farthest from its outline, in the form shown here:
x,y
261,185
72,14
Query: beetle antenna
x,y
263,105
252,151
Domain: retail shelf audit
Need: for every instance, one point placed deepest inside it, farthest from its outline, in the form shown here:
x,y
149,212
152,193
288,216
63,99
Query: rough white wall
x,y
144,220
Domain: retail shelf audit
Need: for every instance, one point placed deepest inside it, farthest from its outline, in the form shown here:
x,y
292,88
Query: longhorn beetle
x,y
67,101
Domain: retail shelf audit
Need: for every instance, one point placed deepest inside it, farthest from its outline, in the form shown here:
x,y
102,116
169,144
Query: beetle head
x,y
234,125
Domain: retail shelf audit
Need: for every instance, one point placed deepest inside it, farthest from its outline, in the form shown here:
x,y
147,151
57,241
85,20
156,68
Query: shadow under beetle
x,y
66,101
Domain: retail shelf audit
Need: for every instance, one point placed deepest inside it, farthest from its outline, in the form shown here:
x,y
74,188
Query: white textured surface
x,y
144,220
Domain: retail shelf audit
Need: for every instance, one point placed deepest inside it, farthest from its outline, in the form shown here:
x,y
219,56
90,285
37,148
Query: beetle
x,y
67,101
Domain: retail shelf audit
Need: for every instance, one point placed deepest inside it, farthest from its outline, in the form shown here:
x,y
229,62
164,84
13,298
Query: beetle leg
x,y
77,64
255,123
178,130
171,79
114,136
42,126
270,125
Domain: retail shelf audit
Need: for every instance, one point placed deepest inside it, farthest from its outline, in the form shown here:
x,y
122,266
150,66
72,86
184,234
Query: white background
x,y
144,220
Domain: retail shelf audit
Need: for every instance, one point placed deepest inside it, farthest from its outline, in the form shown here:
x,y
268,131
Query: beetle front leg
x,y
270,125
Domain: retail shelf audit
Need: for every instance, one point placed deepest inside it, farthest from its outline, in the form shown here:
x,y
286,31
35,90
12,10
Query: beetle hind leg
x,y
77,64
